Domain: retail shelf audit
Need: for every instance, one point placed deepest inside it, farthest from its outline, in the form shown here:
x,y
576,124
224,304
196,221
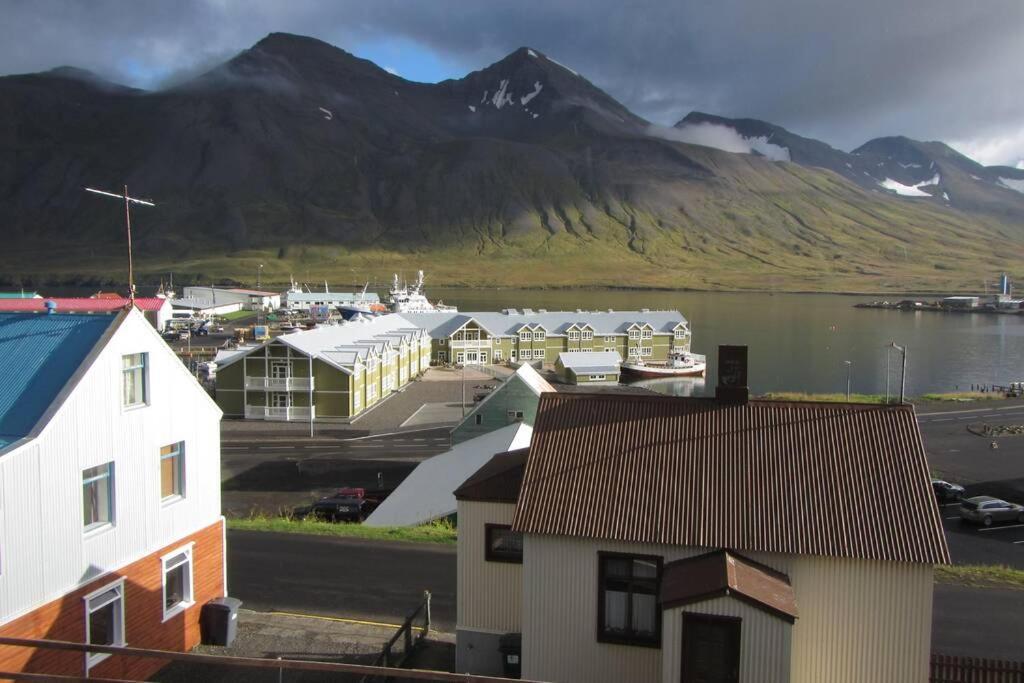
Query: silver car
x,y
987,510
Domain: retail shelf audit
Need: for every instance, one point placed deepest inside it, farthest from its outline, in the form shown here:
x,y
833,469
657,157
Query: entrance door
x,y
483,358
280,399
711,649
471,357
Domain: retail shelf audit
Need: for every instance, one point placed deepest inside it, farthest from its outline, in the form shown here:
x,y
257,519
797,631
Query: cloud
x,y
1020,164
1000,147
843,72
721,137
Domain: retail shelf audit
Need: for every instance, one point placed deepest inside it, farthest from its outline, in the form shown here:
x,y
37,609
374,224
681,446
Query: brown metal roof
x,y
721,573
498,481
841,480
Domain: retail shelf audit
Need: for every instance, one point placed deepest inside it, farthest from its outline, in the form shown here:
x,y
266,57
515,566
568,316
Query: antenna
x,y
128,201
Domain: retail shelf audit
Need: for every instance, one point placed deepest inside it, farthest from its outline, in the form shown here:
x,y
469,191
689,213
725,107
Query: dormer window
x,y
539,335
634,334
574,335
587,335
525,335
647,333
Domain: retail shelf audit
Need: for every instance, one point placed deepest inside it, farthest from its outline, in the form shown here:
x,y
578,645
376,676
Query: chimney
x,y
732,374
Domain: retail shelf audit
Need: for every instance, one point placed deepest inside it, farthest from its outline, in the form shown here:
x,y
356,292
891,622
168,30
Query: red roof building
x,y
156,310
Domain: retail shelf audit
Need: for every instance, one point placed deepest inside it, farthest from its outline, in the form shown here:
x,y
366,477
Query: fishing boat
x,y
678,364
361,305
410,298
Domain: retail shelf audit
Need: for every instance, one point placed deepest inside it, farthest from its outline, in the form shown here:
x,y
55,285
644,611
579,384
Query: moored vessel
x,y
678,364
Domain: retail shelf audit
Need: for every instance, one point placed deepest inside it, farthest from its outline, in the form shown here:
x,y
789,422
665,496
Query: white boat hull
x,y
652,371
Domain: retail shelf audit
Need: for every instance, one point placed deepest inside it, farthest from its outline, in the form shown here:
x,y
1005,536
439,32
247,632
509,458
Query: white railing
x,y
471,343
281,414
279,383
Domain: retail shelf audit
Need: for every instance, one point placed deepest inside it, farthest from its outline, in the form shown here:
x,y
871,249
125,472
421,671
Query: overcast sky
x,y
842,71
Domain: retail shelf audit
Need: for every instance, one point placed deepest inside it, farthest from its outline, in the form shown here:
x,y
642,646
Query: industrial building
x,y
295,300
110,525
250,299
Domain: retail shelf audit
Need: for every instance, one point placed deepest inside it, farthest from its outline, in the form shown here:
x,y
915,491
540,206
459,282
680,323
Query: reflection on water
x,y
799,342
673,386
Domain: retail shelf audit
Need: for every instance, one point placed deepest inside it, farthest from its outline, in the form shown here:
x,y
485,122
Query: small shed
x,y
588,367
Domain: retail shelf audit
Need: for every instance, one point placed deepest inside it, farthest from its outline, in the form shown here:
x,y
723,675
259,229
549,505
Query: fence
x,y
953,669
390,656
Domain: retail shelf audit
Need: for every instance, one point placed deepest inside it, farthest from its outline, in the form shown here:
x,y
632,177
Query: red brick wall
x,y
64,619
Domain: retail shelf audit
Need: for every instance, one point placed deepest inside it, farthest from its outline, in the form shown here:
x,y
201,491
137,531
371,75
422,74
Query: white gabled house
x,y
110,522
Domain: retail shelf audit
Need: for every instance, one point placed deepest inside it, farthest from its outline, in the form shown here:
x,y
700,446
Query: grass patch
x,y
236,315
822,398
981,576
964,396
441,531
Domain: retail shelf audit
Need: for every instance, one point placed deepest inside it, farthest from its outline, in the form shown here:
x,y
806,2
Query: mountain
x,y
300,157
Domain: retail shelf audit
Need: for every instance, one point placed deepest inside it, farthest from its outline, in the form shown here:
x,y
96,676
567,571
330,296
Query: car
x,y
987,510
344,505
946,492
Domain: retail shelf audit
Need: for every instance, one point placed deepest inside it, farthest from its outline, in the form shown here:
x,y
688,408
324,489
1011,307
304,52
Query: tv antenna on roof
x,y
128,201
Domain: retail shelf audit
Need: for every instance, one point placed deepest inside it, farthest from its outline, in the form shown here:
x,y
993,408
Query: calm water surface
x,y
799,342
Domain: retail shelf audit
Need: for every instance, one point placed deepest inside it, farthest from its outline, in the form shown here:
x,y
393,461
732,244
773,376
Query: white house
x,y
110,522
697,539
249,299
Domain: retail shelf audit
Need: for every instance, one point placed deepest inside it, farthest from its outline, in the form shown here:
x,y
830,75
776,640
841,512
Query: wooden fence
x,y
953,669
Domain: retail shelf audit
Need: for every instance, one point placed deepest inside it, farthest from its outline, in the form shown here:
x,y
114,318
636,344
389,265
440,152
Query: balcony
x,y
278,383
280,414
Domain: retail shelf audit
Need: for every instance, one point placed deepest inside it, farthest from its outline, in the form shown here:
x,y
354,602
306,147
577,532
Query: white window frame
x,y
111,497
145,380
679,334
539,335
634,351
574,335
515,415
525,354
609,339
496,355
646,350
597,378
180,454
647,334
94,658
190,583
526,336
634,334
587,335
443,341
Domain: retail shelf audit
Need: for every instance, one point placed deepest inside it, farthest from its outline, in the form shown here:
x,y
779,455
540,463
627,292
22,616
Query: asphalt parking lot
x,y
962,457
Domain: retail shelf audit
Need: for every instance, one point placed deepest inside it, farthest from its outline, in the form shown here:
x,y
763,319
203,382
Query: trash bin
x,y
219,621
511,646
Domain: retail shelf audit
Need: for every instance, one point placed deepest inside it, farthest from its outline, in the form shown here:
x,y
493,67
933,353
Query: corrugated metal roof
x,y
590,361
333,297
498,481
79,304
40,354
721,573
839,480
443,324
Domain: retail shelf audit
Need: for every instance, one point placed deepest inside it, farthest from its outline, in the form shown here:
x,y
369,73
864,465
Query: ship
x,y
361,305
406,298
678,364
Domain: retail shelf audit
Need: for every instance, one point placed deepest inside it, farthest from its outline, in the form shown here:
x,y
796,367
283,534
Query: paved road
x,y
378,581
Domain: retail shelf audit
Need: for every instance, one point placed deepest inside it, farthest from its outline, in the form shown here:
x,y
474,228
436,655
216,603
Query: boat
x,y
360,305
678,364
410,298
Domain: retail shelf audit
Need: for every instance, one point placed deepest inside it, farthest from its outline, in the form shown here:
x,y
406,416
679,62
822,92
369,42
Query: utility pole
x,y
849,372
128,201
259,272
903,372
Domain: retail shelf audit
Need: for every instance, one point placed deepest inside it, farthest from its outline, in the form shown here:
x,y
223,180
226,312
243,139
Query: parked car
x,y
344,505
946,492
988,510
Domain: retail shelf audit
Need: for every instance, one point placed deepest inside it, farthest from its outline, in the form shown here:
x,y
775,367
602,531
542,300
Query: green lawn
x,y
436,532
963,396
822,398
237,315
981,576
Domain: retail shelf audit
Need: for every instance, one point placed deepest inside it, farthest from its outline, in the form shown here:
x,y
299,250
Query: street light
x,y
259,271
849,373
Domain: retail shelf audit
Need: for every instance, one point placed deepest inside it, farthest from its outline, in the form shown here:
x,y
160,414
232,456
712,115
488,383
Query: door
x,y
483,358
471,357
278,369
280,399
711,649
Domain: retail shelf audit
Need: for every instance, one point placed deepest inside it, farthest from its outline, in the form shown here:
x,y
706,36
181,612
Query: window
x,y
479,419
609,340
172,471
627,608
98,496
679,334
526,354
515,416
442,342
357,401
634,350
646,351
442,357
634,334
133,373
574,335
539,335
587,335
609,349
497,355
525,336
597,378
503,544
647,334
177,569
104,620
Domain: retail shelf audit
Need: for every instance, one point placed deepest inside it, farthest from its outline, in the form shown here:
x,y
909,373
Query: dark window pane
x,y
101,625
175,586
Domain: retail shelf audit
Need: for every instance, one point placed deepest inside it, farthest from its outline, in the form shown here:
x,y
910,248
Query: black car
x,y
946,492
344,505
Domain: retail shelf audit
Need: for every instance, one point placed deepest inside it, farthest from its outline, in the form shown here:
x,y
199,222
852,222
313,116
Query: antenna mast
x,y
128,201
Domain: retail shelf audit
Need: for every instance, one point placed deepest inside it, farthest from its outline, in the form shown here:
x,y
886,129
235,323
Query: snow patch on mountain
x,y
531,53
722,137
909,190
327,113
563,66
471,107
502,97
525,99
1012,184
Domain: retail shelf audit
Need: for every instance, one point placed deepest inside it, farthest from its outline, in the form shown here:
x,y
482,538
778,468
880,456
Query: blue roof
x,y
39,354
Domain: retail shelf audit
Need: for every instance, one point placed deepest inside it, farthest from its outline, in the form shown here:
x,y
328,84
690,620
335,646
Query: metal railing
x,y
279,383
406,642
280,414
956,669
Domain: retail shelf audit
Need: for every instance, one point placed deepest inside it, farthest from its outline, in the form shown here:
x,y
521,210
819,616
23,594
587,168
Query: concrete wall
x,y
489,593
859,620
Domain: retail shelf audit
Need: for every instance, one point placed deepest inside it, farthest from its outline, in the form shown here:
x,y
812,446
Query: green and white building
x,y
589,367
515,400
331,373
539,336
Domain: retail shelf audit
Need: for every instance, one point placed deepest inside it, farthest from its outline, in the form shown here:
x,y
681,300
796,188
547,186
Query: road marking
x,y
401,433
948,505
340,619
974,410
1003,528
957,517
943,419
1017,542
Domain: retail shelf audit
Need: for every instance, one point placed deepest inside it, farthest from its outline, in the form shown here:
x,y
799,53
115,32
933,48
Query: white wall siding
x,y
45,551
861,620
490,596
858,621
765,640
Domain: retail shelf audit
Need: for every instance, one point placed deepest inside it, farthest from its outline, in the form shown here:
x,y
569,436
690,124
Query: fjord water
x,y
799,342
